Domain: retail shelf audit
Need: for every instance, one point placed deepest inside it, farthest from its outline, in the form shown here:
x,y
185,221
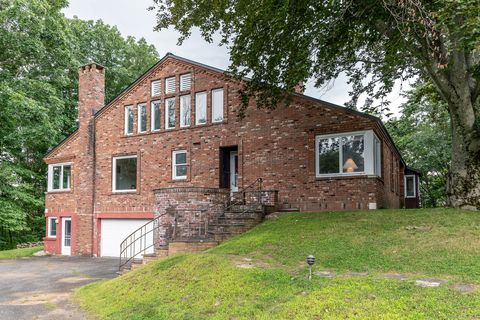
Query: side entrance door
x,y
233,171
66,236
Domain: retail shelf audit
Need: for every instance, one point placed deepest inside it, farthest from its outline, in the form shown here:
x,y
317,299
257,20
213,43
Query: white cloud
x,y
133,18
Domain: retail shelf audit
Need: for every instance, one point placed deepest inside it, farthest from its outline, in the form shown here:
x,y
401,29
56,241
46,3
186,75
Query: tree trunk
x,y
463,185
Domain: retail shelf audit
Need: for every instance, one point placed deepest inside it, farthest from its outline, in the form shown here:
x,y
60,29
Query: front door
x,y
66,236
233,171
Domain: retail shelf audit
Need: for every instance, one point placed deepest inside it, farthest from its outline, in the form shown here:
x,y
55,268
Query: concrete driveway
x,y
41,287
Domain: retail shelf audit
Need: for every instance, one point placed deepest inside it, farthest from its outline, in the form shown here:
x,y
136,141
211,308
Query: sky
x,y
133,19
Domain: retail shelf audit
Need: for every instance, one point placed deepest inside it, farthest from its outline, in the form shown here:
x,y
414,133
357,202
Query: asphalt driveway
x,y
41,287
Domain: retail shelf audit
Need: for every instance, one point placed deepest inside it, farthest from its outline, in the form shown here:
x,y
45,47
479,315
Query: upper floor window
x,y
142,117
128,120
59,176
410,186
156,88
179,164
124,175
185,111
217,105
52,227
170,113
170,85
200,108
185,82
347,154
155,115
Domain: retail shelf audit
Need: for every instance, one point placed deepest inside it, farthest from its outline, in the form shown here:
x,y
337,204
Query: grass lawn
x,y
217,285
17,253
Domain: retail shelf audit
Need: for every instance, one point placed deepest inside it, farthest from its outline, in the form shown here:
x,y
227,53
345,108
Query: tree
x,y
40,51
423,136
375,42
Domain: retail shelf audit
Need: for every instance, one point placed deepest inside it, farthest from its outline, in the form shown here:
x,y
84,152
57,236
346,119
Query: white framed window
x,y
170,113
179,164
217,105
350,153
185,82
142,118
185,111
170,85
124,174
155,115
377,156
59,177
156,88
128,120
200,108
410,186
52,227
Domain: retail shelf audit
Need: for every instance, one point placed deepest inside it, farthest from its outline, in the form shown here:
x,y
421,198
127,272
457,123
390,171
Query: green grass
x,y
421,243
17,253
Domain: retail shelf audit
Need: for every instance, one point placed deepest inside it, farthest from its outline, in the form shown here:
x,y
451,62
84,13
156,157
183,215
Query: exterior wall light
x,y
310,262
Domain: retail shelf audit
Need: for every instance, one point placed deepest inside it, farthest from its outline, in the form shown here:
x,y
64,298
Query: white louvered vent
x,y
170,85
156,88
185,81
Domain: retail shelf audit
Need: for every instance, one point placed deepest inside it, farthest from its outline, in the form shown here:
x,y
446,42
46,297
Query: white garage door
x,y
114,231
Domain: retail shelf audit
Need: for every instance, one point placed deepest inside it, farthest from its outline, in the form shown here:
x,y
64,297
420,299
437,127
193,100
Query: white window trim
x,y
181,109
50,177
49,235
152,115
223,105
189,84
167,80
114,173
174,164
159,88
414,185
139,118
368,154
197,94
166,113
125,123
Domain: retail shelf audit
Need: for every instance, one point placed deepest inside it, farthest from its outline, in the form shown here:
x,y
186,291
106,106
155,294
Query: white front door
x,y
66,236
233,171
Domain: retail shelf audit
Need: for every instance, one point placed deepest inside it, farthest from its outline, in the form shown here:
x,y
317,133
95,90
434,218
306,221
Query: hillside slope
x,y
262,275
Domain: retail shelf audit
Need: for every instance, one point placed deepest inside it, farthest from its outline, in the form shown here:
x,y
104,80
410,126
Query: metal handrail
x,y
258,181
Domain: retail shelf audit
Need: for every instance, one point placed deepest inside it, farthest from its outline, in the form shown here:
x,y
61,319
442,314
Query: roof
x,y
218,70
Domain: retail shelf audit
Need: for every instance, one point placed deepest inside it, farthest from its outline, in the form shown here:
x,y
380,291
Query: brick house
x,y
172,142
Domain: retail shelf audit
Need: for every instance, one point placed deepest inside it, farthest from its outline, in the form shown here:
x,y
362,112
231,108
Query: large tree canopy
x,y
374,42
40,51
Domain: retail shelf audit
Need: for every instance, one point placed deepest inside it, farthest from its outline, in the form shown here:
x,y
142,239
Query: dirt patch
x,y
249,263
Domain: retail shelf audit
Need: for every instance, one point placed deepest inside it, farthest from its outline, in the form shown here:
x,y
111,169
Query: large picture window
x,y
347,154
170,113
124,175
179,164
59,176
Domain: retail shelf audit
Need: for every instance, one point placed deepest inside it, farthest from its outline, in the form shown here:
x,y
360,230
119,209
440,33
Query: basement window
x,y
179,165
59,176
52,227
344,154
124,175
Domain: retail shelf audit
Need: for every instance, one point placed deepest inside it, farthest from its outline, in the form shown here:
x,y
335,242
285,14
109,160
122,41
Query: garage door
x,y
114,231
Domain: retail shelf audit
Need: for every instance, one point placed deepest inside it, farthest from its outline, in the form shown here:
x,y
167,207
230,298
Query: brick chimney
x,y
91,92
91,97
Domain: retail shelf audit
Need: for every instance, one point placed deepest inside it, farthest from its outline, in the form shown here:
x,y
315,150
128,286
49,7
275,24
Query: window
x,y
217,105
200,108
348,154
52,227
124,175
59,176
170,85
156,88
142,117
185,111
185,81
128,120
155,115
179,165
170,113
377,156
410,186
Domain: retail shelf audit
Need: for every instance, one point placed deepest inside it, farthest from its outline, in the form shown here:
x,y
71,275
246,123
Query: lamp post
x,y
310,262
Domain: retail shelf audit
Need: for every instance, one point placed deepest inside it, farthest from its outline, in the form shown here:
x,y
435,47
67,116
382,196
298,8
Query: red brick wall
x,y
278,146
